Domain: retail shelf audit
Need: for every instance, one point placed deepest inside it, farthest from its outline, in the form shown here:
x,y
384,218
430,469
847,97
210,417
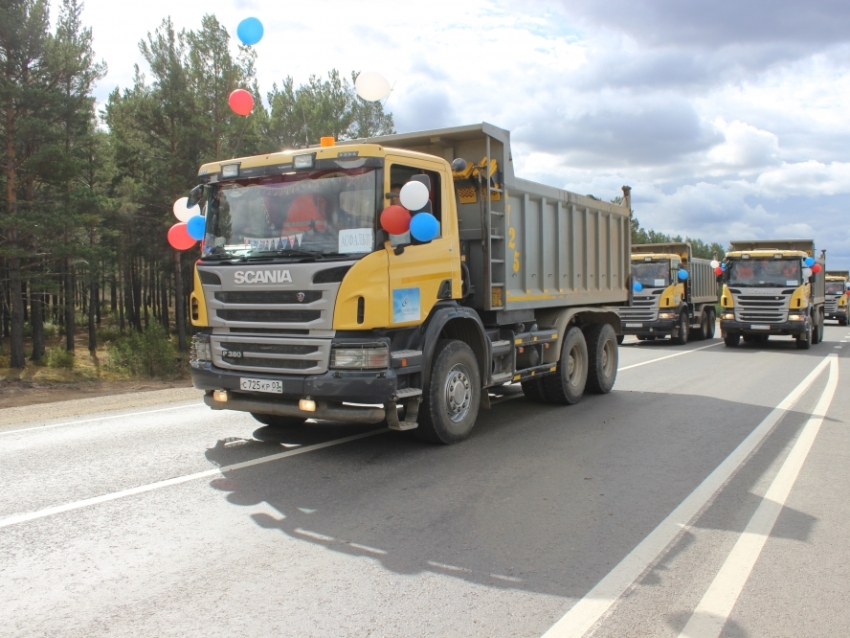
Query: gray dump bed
x,y
701,284
530,245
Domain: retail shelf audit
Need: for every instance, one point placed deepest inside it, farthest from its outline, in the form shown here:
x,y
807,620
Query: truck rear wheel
x,y
732,339
681,338
275,421
567,385
453,396
602,356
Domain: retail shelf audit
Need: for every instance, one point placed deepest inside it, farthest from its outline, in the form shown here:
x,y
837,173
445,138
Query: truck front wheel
x,y
804,341
681,337
452,398
566,386
602,357
732,339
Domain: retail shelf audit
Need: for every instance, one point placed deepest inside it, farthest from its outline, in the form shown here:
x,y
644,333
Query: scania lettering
x,y
769,288
673,294
835,297
309,308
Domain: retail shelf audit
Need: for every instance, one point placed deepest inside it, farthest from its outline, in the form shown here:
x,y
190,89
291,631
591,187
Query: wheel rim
x,y
575,366
608,358
458,392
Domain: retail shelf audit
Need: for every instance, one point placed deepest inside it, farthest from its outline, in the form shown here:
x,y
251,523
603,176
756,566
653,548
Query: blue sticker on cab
x,y
406,305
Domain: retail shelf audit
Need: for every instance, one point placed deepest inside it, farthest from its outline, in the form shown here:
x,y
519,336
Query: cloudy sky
x,y
728,119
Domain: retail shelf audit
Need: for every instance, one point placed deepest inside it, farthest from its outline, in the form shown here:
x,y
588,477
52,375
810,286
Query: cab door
x,y
418,274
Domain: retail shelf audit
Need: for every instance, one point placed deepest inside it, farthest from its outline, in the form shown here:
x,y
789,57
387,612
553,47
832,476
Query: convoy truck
x,y
768,289
673,293
308,308
835,297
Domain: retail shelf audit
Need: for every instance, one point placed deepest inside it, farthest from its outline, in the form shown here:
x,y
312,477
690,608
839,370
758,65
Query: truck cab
x,y
769,289
835,295
672,294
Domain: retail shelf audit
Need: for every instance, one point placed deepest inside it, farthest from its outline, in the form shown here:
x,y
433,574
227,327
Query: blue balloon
x,y
424,227
809,262
250,31
195,227
723,266
683,274
637,287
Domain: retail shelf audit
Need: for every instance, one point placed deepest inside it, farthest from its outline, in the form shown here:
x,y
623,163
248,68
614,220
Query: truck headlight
x,y
796,317
666,315
200,351
727,315
365,357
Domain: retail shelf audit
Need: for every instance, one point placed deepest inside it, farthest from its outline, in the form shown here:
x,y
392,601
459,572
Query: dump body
x,y
769,290
309,307
835,295
663,301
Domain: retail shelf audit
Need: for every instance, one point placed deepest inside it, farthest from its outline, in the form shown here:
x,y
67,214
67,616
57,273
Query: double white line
x,y
714,609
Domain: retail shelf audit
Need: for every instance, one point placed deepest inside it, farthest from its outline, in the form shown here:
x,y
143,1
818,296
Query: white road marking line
x,y
713,611
586,612
837,347
669,356
39,428
113,496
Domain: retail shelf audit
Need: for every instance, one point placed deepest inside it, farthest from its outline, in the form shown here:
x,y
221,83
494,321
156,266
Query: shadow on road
x,y
540,498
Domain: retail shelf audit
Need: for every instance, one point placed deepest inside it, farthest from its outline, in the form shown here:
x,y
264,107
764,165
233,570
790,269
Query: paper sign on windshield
x,y
356,240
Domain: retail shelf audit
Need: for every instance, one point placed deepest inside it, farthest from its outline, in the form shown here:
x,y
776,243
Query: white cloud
x,y
745,148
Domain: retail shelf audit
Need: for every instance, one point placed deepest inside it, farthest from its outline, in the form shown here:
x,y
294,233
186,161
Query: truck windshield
x,y
764,272
317,214
835,287
651,274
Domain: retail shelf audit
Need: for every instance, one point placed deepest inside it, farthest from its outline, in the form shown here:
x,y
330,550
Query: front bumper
x,y
658,328
838,314
786,328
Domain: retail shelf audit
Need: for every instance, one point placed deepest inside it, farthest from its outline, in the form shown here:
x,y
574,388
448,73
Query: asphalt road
x,y
705,496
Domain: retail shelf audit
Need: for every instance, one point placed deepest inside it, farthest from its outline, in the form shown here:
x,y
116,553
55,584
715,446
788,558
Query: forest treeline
x,y
88,193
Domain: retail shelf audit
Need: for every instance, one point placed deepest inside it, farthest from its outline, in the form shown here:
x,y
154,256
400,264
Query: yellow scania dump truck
x,y
309,308
770,287
673,293
835,295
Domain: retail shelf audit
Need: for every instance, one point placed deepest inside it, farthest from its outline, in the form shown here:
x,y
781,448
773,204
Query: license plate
x,y
759,326
634,325
261,385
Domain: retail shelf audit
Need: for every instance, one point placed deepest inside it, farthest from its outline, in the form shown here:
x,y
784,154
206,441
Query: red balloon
x,y
395,219
718,271
241,102
816,268
178,237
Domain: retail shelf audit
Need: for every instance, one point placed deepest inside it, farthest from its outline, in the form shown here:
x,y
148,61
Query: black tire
x,y
602,356
274,421
732,339
681,338
701,333
566,386
451,400
534,391
804,342
712,324
842,322
817,330
620,339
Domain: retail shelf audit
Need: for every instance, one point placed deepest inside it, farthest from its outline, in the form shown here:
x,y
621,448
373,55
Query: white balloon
x,y
413,195
372,86
182,212
714,263
807,272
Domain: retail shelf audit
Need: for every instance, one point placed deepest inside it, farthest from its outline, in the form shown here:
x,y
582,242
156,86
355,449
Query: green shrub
x,y
148,353
58,357
50,330
108,335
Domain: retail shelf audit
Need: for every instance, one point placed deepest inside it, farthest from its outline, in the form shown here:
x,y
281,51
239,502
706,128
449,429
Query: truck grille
x,y
268,316
268,297
271,354
762,308
644,308
830,304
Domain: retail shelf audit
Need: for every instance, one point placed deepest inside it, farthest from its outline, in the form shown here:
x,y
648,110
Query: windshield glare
x,y
764,272
330,212
651,274
835,287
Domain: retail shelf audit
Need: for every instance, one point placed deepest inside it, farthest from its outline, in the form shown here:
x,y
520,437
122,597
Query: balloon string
x,y
239,140
384,105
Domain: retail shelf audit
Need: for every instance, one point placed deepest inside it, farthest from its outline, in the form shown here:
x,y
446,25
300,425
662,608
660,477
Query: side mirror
x,y
195,195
